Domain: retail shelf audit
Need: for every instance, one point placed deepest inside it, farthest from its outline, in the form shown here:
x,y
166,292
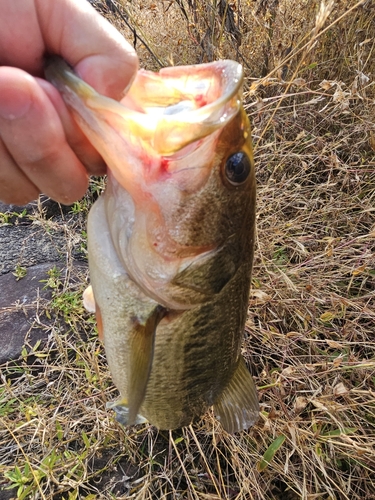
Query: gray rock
x,y
24,292
42,237
20,303
29,245
8,494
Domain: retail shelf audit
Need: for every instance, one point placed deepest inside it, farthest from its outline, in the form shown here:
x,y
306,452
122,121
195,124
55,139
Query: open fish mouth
x,y
167,110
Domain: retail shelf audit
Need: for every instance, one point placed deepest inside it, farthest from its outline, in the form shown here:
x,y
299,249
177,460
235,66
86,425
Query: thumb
x,y
98,52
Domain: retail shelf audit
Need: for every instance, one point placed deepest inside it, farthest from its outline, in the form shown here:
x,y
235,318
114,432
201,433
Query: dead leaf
x,y
299,81
333,344
337,361
318,404
261,297
358,270
293,335
300,404
288,371
340,389
371,140
326,84
301,135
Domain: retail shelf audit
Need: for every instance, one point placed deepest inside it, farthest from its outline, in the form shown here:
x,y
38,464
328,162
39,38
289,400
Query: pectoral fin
x,y
99,323
89,300
141,346
238,407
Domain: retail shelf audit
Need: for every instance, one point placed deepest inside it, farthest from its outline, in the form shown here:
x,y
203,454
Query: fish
x,y
171,241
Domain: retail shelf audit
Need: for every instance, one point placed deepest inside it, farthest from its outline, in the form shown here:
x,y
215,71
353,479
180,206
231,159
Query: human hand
x,y
41,147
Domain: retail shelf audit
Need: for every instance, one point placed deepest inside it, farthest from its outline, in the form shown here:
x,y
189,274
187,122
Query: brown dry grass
x,y
309,338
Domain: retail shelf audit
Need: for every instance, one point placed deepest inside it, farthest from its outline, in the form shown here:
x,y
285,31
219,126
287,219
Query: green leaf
x,y
339,432
86,440
270,452
60,431
25,493
19,272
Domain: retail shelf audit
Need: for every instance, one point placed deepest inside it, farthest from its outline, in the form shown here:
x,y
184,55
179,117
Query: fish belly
x,y
118,300
183,381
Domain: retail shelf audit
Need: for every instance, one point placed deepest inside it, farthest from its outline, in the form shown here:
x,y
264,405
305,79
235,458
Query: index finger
x,y
74,30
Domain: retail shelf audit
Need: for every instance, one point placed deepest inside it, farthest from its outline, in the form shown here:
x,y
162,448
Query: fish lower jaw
x,y
162,295
154,278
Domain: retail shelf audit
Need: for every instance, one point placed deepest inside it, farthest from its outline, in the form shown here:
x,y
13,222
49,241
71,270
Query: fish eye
x,y
237,168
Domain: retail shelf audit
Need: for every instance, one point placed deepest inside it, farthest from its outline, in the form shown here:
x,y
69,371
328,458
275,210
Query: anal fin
x,y
121,409
237,408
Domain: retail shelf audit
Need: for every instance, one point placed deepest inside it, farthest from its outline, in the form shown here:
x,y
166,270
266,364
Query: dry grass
x,y
309,338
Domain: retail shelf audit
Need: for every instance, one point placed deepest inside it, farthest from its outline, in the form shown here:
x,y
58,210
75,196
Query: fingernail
x,y
14,102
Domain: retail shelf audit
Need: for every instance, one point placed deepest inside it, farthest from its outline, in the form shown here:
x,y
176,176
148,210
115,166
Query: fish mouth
x,y
167,110
186,103
167,123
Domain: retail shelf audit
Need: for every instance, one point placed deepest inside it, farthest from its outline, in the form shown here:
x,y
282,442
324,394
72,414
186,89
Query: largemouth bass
x,y
171,241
